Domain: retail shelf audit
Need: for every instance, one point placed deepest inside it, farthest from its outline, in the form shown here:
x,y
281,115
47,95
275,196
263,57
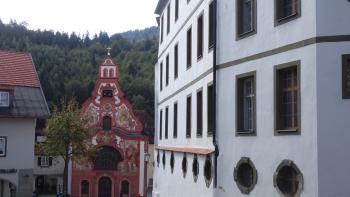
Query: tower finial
x,y
109,51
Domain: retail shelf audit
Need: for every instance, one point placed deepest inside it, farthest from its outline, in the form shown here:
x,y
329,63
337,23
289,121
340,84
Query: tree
x,y
67,136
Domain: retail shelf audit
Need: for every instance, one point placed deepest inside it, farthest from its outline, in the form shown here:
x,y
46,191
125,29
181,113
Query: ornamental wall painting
x,y
131,153
92,115
124,118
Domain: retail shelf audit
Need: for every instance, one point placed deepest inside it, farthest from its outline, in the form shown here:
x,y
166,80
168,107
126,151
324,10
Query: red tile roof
x,y
17,69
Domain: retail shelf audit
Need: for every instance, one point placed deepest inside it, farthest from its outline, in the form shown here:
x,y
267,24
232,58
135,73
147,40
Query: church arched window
x,y
111,72
105,72
107,123
107,158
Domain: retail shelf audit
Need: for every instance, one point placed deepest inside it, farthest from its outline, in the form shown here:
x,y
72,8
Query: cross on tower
x,y
109,51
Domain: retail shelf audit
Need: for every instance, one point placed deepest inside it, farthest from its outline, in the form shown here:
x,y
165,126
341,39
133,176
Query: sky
x,y
80,16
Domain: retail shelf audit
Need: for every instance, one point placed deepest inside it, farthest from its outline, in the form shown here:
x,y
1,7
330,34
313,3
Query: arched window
x,y
208,171
172,162
105,72
245,175
288,179
107,158
107,93
107,123
111,72
125,188
184,165
85,187
195,168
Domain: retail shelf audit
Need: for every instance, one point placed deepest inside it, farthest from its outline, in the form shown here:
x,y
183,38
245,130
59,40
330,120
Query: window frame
x,y
2,92
4,138
167,62
162,28
161,76
168,19
188,116
208,181
195,163
175,120
176,61
177,10
277,130
199,112
104,127
211,19
83,190
184,167
239,20
200,36
210,118
161,124
172,162
189,48
166,130
242,188
345,73
239,105
286,19
45,161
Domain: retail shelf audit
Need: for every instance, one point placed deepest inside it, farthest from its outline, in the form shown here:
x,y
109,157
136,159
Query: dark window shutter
x,y
50,161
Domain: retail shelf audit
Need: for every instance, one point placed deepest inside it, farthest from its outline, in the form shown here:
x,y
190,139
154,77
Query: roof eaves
x,y
160,6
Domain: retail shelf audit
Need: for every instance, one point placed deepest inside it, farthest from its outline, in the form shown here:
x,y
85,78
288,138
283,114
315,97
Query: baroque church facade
x,y
118,167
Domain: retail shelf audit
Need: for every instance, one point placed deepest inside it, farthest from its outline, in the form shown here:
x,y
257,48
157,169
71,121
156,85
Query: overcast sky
x,y
112,16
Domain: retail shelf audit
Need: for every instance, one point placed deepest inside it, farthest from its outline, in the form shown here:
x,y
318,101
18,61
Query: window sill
x,y
240,36
286,19
292,131
245,133
199,58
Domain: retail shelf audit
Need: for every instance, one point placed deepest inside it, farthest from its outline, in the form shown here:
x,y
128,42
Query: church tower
x,y
118,168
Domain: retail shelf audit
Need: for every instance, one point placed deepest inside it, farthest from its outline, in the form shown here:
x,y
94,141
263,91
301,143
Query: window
x,y
208,171
245,105
286,10
4,99
107,158
85,187
211,26
287,99
107,93
161,124
246,21
166,122
161,76
288,179
176,10
195,168
199,113
189,47
346,76
172,162
167,70
200,37
175,120
158,158
3,146
188,117
161,28
184,165
44,161
168,20
107,123
163,159
245,175
176,61
210,110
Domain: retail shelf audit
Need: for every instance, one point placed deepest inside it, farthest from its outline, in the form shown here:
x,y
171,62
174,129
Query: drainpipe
x,y
214,93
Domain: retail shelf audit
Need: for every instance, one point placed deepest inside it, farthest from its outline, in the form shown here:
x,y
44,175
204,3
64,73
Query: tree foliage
x,y
67,64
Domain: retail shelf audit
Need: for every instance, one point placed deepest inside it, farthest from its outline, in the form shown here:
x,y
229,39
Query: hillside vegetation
x,y
67,64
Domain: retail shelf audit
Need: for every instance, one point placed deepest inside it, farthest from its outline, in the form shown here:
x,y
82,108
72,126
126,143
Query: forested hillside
x,y
67,63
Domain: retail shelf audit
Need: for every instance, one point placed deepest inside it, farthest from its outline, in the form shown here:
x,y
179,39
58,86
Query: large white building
x,y
282,97
184,86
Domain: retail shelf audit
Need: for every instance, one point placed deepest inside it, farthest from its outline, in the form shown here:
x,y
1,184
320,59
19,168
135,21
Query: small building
x,y
119,166
22,102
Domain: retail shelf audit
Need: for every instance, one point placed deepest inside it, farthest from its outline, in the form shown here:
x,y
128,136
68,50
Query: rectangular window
x,y
3,146
246,10
161,28
167,71
346,76
161,125
200,37
245,105
188,116
175,120
166,122
287,98
211,25
286,10
44,161
210,110
176,61
4,99
168,20
161,76
189,47
176,10
200,113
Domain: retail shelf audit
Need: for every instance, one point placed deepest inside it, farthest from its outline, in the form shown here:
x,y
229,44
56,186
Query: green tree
x,y
68,136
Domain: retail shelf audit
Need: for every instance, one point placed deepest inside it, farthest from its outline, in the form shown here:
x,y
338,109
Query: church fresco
x,y
124,119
